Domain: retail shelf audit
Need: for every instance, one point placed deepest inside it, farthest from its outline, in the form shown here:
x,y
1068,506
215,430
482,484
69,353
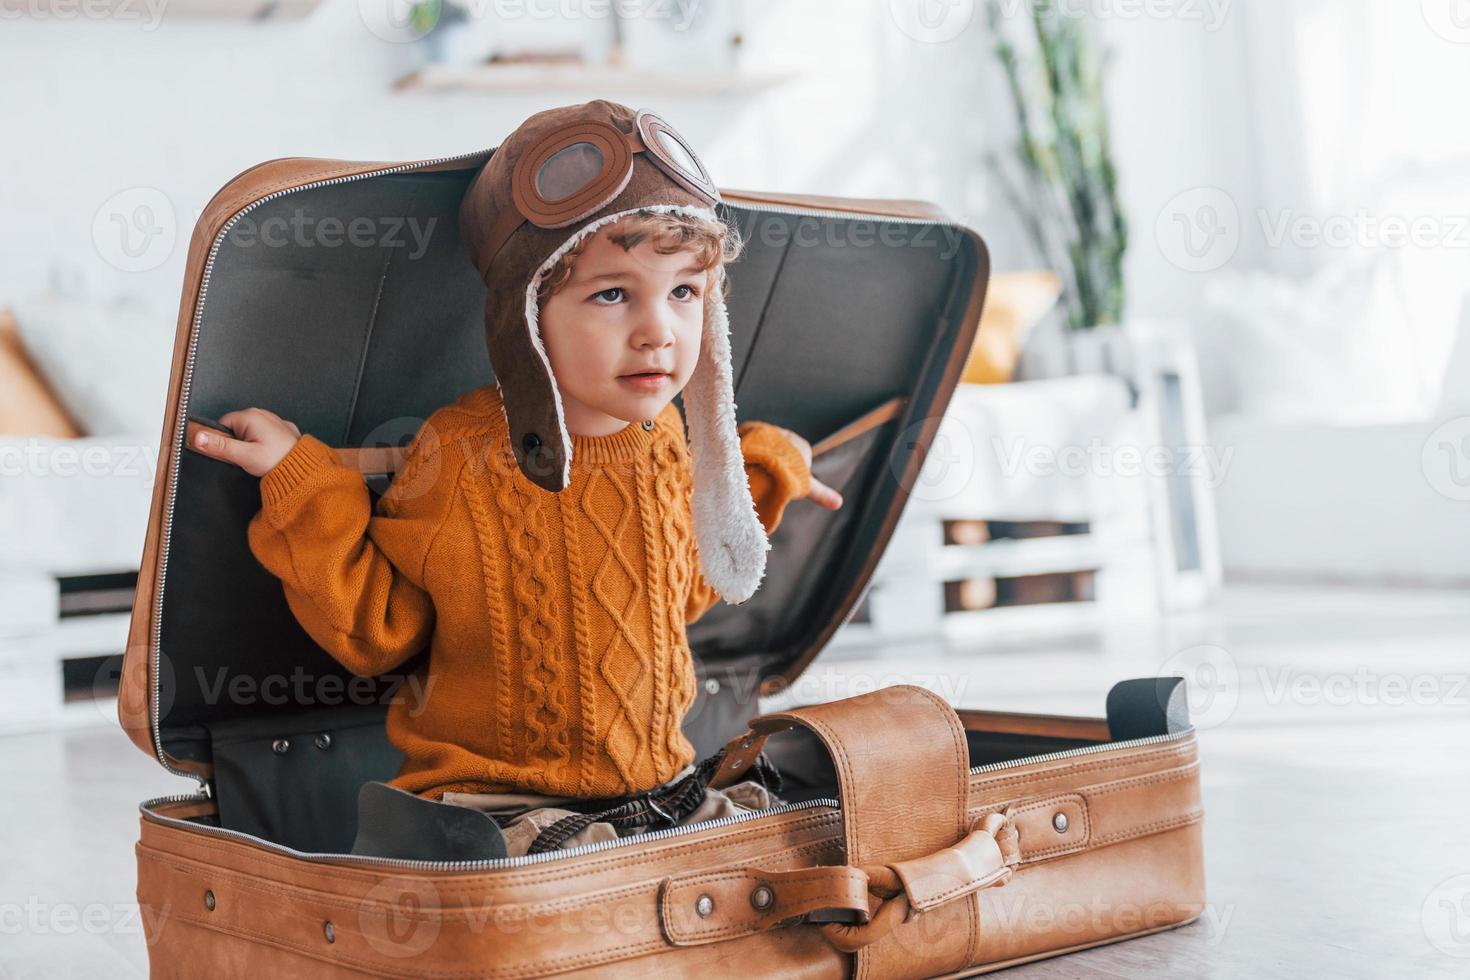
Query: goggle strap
x,y
505,225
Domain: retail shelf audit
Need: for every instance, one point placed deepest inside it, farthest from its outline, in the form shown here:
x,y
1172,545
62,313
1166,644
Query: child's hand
x,y
820,493
265,438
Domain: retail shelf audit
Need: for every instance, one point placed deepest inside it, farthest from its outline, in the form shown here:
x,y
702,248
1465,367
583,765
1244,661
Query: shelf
x,y
543,79
122,10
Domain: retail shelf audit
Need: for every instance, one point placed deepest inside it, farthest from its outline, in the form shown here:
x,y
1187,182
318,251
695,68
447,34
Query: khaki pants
x,y
534,812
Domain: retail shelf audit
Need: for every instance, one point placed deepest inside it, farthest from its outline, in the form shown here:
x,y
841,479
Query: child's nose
x,y
655,329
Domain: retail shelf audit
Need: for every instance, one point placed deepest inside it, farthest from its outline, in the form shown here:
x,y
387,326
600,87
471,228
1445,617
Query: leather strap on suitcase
x,y
902,770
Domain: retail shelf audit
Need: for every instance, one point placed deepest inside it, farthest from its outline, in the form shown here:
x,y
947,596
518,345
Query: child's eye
x,y
613,289
689,291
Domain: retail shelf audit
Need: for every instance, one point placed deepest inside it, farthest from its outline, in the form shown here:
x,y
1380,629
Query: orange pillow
x,y
1014,303
28,407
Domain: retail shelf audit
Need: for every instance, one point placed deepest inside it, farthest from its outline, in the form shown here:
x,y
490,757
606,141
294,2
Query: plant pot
x,y
1104,349
1056,351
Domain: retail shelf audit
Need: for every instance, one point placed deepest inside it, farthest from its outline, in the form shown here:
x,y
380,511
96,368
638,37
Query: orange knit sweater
x,y
555,622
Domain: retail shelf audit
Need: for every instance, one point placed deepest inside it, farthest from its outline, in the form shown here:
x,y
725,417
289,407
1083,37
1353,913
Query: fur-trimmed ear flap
x,y
731,539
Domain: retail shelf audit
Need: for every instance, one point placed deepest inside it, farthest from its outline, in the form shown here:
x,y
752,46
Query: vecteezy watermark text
x,y
308,231
1097,458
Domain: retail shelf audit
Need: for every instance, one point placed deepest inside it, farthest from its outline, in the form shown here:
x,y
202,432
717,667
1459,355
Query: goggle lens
x,y
678,154
568,170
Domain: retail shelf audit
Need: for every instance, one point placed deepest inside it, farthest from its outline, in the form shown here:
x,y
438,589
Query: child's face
x,y
622,312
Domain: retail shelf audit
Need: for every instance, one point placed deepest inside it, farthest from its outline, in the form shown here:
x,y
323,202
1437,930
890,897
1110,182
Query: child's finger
x,y
825,495
220,446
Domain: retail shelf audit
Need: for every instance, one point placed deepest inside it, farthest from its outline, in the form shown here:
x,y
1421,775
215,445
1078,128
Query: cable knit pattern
x,y
555,623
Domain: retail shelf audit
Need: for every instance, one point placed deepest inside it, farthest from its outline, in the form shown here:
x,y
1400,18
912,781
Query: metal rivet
x,y
704,906
209,900
324,741
531,442
746,743
281,746
1059,822
762,898
648,425
712,686
329,931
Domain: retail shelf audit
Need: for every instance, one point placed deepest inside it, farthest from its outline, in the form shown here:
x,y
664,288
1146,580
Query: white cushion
x,y
75,506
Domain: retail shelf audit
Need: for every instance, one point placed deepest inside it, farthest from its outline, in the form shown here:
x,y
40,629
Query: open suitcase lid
x,y
850,324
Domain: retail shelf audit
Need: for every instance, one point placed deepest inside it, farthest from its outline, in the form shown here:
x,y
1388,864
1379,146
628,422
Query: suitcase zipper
x,y
1132,743
487,865
187,382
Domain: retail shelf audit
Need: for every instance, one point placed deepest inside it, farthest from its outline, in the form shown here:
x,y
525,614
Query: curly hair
x,y
714,243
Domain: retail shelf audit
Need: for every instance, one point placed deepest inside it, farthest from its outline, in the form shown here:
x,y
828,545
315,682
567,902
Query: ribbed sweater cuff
x,y
763,445
308,458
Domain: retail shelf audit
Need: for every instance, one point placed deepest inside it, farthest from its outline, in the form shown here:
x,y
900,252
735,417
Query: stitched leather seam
x,y
277,890
1120,836
1179,774
943,897
1168,776
401,969
1152,828
624,863
277,941
961,754
245,882
761,923
599,957
682,885
815,874
1073,845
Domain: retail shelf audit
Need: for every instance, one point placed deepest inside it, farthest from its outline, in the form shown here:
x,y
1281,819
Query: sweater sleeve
x,y
354,579
777,474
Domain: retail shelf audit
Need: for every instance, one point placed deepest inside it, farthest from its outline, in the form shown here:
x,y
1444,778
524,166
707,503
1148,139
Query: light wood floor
x,y
1336,768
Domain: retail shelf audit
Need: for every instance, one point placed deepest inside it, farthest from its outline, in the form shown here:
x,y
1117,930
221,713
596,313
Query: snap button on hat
x,y
281,746
329,931
209,900
1059,822
762,898
324,741
704,906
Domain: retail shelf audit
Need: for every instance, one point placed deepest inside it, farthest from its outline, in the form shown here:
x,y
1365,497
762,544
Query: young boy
x,y
548,538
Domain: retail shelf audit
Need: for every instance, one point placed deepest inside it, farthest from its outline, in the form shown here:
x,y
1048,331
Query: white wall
x,y
106,107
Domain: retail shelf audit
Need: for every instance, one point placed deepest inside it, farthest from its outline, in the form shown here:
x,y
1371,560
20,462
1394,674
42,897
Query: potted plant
x,y
1061,177
444,27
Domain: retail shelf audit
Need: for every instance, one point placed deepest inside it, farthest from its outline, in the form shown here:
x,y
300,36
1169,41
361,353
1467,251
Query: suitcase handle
x,y
711,905
908,888
902,769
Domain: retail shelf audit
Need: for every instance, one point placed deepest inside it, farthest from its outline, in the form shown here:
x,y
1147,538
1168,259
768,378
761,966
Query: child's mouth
x,y
646,381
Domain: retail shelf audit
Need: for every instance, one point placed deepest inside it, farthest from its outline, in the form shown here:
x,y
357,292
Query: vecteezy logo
x,y
1199,230
134,230
932,21
1445,459
947,468
399,917
1445,916
1450,19
399,21
1212,682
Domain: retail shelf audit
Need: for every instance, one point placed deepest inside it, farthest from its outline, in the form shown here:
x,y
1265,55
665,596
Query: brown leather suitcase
x,y
917,841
